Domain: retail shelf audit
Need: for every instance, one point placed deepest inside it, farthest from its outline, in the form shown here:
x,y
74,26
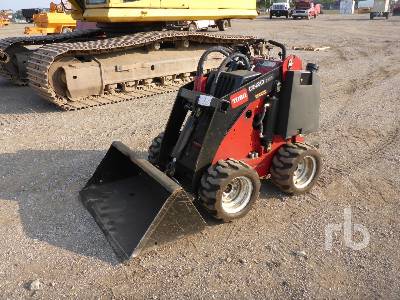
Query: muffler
x,y
136,205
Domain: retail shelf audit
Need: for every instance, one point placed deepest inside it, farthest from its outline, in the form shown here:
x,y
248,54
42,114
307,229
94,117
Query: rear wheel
x,y
229,189
223,25
154,149
296,168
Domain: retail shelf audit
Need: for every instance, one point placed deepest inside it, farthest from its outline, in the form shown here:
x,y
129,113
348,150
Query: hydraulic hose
x,y
217,49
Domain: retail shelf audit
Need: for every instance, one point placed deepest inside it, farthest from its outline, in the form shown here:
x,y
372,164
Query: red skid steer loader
x,y
227,129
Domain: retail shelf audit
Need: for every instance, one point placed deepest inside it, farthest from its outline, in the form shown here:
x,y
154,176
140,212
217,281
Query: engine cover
x,y
299,104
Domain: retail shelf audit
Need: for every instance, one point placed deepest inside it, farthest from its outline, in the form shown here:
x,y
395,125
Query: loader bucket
x,y
136,205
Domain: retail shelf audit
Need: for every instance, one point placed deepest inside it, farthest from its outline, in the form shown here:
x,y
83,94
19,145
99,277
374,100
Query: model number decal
x,y
256,85
260,83
239,98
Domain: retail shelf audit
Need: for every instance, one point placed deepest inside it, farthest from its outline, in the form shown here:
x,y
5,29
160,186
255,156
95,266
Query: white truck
x,y
280,9
222,25
380,9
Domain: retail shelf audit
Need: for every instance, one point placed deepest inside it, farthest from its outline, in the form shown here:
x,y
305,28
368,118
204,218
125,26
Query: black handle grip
x,y
282,46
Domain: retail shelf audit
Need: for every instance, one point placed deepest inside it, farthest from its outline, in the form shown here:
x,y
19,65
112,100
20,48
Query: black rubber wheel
x,y
296,168
222,25
270,16
371,16
154,149
192,27
229,189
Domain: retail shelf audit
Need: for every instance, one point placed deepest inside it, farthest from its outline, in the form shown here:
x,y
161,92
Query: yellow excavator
x,y
4,18
52,22
4,22
132,53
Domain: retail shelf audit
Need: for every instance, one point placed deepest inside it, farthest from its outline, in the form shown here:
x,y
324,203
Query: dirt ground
x,y
277,251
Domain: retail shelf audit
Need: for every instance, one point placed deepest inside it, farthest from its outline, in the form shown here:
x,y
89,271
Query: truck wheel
x,y
371,16
192,27
387,15
154,149
66,30
270,16
296,168
222,25
229,189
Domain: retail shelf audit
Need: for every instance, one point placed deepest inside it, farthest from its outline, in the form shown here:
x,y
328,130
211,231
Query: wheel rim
x,y
237,195
305,172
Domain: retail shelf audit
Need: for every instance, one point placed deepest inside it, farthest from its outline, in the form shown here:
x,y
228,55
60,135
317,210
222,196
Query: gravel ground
x,y
50,247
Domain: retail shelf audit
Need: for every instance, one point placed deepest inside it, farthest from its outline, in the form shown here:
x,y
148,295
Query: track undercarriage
x,y
90,68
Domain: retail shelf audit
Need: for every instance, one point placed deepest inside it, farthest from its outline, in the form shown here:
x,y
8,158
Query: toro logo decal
x,y
239,98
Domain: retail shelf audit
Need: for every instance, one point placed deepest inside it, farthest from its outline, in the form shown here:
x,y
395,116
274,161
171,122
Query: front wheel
x,y
229,189
192,27
66,30
296,168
